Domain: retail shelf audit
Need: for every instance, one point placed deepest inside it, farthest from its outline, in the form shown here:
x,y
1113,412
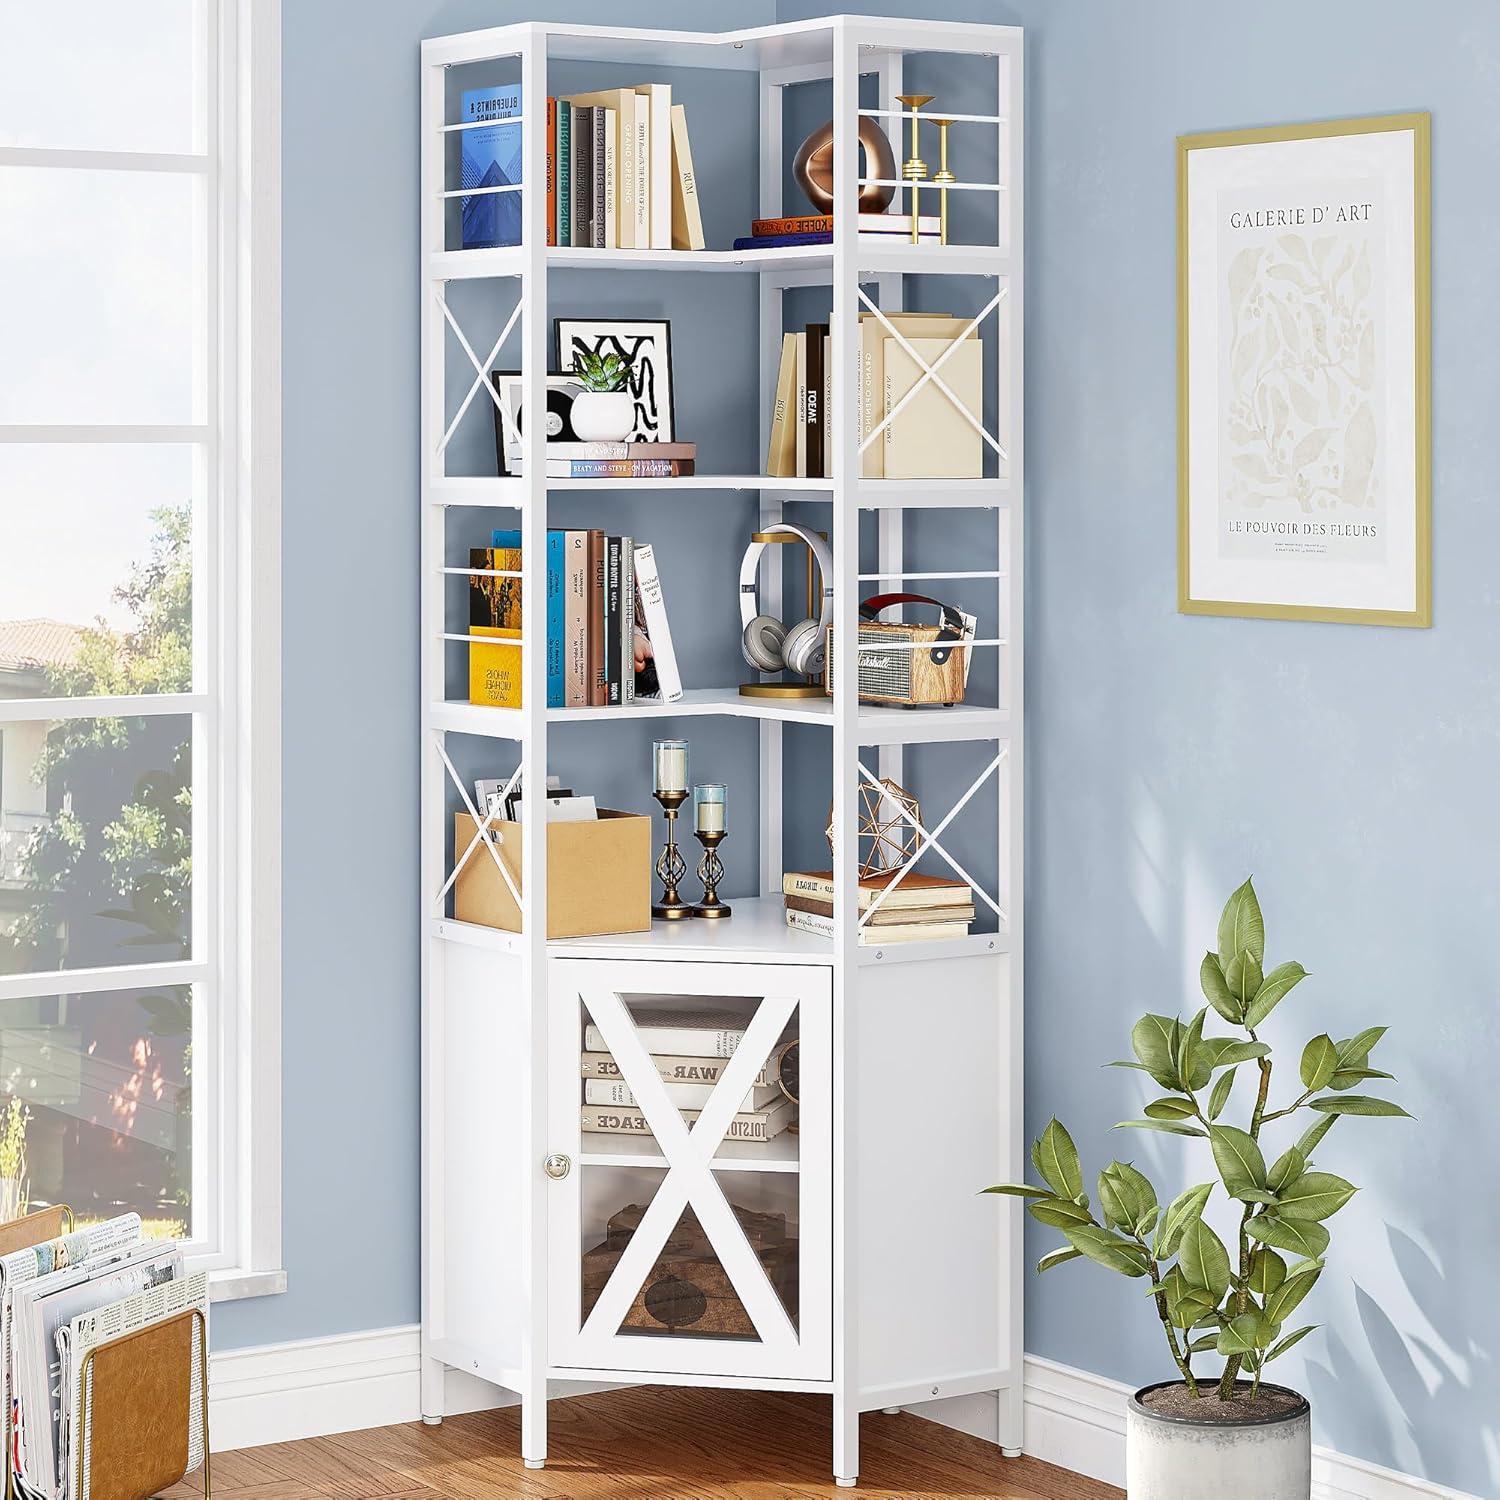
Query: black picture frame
x,y
504,382
651,382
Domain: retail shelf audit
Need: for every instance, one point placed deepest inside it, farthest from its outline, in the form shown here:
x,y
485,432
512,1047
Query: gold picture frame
x,y
1414,530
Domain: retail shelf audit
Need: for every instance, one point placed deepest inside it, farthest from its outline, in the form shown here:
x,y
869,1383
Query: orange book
x,y
551,169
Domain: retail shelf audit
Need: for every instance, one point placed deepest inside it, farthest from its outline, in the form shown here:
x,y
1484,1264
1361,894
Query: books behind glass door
x,y
58,1301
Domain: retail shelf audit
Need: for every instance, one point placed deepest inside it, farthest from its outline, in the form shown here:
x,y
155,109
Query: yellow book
x,y
495,609
687,221
929,438
870,385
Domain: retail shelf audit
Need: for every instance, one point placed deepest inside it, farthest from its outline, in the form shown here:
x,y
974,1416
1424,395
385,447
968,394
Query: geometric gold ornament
x,y
886,825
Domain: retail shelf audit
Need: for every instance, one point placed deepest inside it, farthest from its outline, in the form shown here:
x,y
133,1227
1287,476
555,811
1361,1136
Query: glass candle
x,y
669,765
710,809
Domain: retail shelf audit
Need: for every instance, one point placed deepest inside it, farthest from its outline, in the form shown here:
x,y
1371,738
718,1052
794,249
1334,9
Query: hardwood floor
x,y
651,1443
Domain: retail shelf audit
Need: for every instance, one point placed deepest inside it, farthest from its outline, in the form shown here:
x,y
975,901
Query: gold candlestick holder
x,y
671,867
943,177
710,872
914,169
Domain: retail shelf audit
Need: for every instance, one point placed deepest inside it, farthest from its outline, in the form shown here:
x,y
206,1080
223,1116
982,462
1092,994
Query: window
x,y
139,620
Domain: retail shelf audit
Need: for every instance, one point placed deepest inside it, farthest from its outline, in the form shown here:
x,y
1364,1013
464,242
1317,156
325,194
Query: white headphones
x,y
768,645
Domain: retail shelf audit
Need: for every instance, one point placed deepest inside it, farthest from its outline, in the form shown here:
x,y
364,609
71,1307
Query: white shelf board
x,y
506,493
755,933
932,494
776,1155
875,254
877,726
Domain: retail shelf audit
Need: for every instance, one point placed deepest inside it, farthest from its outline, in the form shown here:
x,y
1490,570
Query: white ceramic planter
x,y
603,416
1179,1458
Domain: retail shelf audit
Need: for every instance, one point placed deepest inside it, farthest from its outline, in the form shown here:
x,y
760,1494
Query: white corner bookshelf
x,y
853,1256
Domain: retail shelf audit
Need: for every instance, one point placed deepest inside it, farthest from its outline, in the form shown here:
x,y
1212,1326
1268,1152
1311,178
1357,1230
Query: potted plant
x,y
1228,1435
603,411
14,1118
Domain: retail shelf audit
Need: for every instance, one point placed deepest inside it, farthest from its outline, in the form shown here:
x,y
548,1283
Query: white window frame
x,y
236,699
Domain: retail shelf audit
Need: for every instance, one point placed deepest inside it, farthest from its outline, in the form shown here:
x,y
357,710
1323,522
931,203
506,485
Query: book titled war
x,y
490,157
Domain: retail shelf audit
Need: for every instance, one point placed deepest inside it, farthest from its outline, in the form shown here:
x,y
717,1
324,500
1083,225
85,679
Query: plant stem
x,y
1242,1287
1182,1360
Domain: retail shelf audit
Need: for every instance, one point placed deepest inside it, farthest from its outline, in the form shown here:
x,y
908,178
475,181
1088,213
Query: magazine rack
x,y
682,1252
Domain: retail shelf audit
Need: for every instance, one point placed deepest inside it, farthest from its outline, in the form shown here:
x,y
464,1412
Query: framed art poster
x,y
1303,372
647,344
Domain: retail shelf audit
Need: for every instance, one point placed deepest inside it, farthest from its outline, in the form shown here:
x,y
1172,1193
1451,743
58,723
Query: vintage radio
x,y
905,663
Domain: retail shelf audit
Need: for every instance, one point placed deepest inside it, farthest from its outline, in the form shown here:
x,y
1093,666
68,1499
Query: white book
x,y
670,1069
651,609
611,179
642,172
799,470
759,1125
692,1096
628,620
702,1033
659,96
627,176
876,937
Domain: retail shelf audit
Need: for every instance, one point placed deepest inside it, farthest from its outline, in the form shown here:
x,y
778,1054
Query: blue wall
x,y
1351,769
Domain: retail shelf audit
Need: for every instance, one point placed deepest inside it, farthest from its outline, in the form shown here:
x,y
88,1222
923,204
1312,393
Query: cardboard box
x,y
598,876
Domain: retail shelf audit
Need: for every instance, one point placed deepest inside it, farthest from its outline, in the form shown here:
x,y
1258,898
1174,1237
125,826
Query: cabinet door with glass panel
x,y
689,1154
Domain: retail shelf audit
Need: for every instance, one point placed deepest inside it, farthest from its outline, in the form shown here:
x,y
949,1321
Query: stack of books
x,y
923,908
690,1050
608,639
619,170
817,229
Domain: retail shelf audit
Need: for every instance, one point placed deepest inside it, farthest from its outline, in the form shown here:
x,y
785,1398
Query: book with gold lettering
x,y
495,610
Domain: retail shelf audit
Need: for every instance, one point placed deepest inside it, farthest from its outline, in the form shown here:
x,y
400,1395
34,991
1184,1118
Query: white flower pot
x,y
1169,1457
603,416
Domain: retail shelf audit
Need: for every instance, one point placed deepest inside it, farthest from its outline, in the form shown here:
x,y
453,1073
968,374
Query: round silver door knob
x,y
557,1166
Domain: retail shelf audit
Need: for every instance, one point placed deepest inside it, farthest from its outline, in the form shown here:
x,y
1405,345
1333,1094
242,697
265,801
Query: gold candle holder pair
x,y
914,169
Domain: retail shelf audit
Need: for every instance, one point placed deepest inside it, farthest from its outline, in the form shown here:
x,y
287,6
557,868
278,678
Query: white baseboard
x,y
1077,1420
280,1392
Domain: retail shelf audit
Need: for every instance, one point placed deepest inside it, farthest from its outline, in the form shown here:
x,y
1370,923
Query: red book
x,y
797,224
551,169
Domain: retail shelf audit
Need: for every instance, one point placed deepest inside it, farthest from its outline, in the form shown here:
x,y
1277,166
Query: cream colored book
x,y
683,1095
642,119
611,179
869,396
658,98
625,136
687,221
781,451
930,438
799,469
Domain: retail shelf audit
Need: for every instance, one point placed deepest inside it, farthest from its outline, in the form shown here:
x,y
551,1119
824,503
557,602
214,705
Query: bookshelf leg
x,y
1012,1420
534,1428
432,1390
845,1442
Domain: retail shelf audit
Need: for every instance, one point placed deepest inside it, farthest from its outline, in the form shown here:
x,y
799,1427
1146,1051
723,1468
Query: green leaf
x,y
1171,1108
1058,1257
1215,991
1193,1066
1253,1195
1136,1193
1203,1260
1284,1300
1203,1343
1226,1051
1267,1272
1314,1195
1154,1039
1289,1340
1320,1061
1313,1134
1059,1213
1019,1190
1170,1126
1183,1210
1356,1104
1056,1157
1186,1305
1240,1334
1238,1159
1220,1096
1301,1236
1109,1250
1352,1053
1241,928
1242,975
1274,988
1287,1168
1346,1078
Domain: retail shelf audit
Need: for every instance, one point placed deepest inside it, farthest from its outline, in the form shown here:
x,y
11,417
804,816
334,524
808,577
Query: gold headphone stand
x,y
812,688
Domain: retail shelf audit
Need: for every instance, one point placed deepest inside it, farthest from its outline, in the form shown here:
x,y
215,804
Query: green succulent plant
x,y
600,372
1211,1300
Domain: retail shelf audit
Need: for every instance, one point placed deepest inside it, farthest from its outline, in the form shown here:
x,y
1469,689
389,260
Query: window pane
x,y
91,535
96,848
97,296
96,1108
99,75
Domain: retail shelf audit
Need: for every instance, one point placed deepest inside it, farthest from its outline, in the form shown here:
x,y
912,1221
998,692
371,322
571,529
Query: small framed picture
x,y
561,389
647,344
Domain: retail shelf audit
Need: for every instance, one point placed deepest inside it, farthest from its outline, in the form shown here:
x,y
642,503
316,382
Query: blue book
x,y
555,621
765,241
490,156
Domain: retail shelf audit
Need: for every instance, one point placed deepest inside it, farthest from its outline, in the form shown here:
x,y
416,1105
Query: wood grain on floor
x,y
650,1443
